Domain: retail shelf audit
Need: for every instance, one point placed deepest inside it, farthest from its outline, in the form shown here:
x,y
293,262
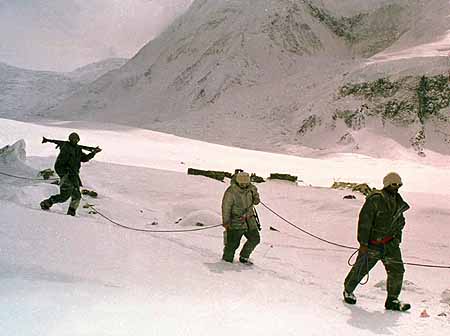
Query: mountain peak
x,y
243,68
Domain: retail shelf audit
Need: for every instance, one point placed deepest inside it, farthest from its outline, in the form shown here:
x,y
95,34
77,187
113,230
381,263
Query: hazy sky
x,y
62,35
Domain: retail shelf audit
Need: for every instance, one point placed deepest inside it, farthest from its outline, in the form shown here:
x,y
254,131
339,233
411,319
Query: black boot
x,y
46,204
245,261
71,211
396,304
350,298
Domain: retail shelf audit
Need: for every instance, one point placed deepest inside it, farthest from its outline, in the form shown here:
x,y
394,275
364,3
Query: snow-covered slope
x,y
71,276
89,73
234,71
214,47
25,93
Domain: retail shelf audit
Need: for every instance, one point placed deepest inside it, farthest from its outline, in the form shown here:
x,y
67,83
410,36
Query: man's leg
x,y
75,201
363,264
65,191
232,241
253,239
395,269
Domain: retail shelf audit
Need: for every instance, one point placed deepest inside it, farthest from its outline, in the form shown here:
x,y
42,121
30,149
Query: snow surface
x,y
71,276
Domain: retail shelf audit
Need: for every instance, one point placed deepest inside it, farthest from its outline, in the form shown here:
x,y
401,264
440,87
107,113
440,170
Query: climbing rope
x,y
345,246
109,219
306,232
28,178
217,225
147,230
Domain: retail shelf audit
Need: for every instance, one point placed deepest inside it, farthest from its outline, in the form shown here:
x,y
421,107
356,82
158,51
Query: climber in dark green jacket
x,y
380,226
67,166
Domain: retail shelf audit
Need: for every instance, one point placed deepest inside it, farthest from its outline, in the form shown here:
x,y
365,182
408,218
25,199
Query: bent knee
x,y
255,240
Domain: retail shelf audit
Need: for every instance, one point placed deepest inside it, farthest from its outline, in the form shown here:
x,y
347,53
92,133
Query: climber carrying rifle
x,y
67,166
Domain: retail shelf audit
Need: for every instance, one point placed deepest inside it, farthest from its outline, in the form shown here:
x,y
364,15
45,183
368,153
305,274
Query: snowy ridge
x,y
28,93
91,72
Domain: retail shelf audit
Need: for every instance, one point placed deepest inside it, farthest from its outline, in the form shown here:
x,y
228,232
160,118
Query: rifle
x,y
258,223
60,143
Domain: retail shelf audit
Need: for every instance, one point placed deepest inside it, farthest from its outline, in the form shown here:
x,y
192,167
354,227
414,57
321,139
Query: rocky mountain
x,y
285,74
27,93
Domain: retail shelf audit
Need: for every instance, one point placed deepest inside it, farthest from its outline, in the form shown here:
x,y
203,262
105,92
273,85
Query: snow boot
x,y
397,305
349,298
245,261
46,204
71,211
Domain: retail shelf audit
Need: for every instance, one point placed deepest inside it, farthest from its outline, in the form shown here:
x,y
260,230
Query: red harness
x,y
383,241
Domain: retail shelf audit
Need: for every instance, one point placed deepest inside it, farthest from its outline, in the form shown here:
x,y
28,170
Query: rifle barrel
x,y
59,143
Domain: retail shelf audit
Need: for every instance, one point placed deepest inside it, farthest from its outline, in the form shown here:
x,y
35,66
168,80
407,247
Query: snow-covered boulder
x,y
201,218
13,153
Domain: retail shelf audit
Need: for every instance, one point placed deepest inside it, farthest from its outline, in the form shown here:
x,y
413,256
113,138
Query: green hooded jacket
x,y
69,161
237,207
381,216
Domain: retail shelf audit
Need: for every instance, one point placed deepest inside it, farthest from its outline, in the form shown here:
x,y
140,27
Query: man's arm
x,y
227,204
255,194
366,218
86,157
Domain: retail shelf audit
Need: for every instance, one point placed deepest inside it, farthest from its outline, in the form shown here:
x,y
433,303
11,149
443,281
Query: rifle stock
x,y
60,143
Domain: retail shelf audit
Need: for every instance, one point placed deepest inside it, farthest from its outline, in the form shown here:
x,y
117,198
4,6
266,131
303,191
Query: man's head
x,y
392,182
243,179
74,138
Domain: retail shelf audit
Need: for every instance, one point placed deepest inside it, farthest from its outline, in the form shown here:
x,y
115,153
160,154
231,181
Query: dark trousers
x,y
391,257
232,240
69,187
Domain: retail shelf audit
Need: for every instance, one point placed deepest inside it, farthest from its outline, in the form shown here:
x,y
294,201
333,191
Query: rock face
x,y
404,101
298,72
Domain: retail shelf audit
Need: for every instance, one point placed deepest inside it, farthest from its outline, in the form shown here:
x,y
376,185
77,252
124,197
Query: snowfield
x,y
254,75
83,275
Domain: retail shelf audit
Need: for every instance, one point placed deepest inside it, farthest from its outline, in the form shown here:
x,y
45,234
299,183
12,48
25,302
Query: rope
x,y
146,230
426,265
109,219
345,246
308,233
213,226
363,259
26,178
